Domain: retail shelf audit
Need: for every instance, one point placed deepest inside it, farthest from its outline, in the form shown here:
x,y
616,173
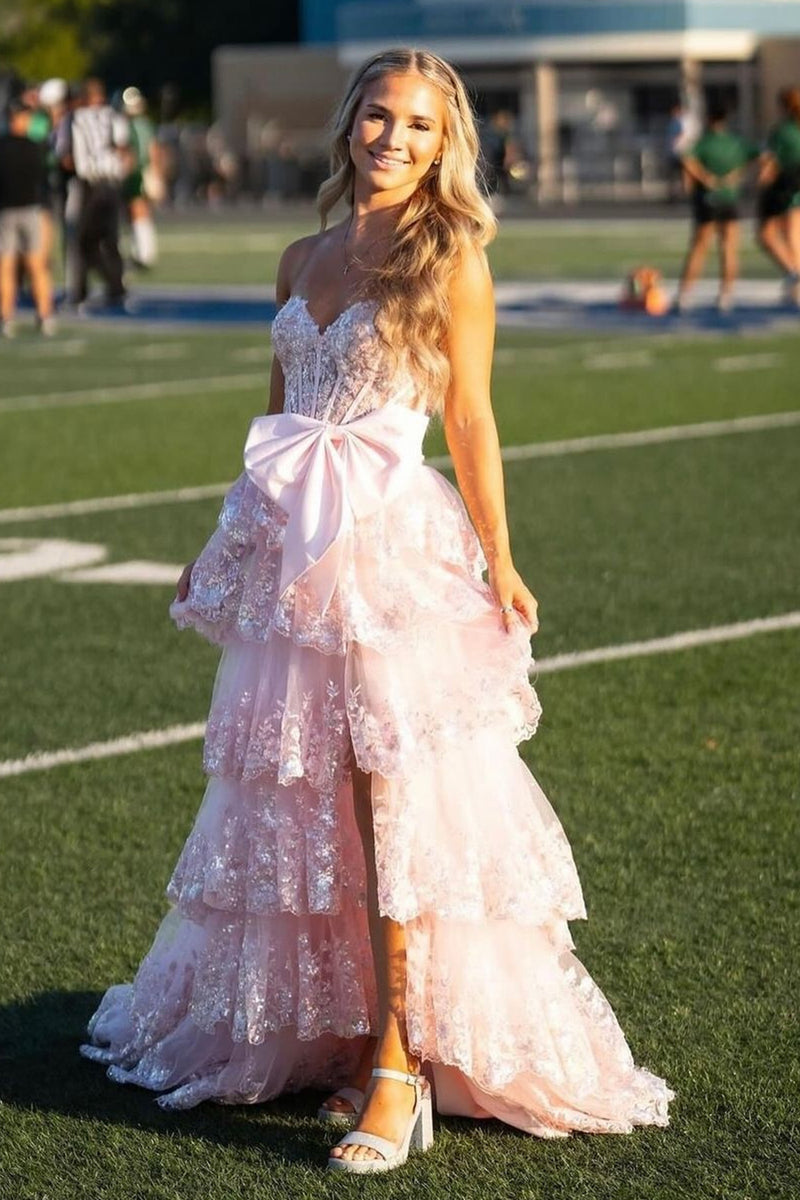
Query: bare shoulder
x,y
291,263
471,281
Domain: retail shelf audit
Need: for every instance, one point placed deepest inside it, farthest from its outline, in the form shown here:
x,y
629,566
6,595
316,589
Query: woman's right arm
x,y
695,169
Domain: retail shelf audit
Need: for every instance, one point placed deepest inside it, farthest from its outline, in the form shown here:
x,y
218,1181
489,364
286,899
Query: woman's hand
x,y
513,597
182,590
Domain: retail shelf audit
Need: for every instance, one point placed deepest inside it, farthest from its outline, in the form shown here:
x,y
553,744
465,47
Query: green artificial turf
x,y
545,386
675,779
618,545
207,249
675,775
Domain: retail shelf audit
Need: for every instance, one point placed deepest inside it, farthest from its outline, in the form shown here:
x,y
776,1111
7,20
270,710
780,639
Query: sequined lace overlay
x,y
260,978
403,569
339,373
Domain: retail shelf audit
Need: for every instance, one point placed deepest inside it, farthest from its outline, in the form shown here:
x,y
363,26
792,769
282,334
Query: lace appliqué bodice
x,y
341,372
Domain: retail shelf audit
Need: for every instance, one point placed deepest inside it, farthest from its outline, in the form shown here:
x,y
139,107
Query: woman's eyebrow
x,y
417,117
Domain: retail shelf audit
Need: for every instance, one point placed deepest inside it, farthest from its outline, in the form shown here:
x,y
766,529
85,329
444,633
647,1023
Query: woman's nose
x,y
393,135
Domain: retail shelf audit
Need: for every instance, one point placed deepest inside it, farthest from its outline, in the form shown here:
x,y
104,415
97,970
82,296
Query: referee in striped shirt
x,y
95,150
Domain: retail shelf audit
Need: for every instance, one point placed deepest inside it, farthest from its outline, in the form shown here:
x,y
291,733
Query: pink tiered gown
x,y
345,583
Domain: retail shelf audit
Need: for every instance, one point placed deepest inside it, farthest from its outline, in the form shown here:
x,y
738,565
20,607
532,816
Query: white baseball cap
x,y
133,101
52,92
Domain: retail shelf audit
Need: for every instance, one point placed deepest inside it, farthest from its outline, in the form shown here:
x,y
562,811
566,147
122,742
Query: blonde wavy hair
x,y
445,214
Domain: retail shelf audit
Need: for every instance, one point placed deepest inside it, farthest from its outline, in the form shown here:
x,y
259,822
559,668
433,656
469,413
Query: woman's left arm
x,y
471,431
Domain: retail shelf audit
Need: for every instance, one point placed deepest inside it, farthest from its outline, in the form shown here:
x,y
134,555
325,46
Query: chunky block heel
x,y
422,1133
418,1134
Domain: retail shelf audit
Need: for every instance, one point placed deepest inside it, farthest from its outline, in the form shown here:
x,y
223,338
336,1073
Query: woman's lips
x,y
389,163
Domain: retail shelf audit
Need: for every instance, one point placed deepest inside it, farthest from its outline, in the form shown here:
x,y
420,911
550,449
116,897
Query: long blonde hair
x,y
445,215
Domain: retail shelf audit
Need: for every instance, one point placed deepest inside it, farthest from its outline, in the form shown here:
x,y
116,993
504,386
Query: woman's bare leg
x,y
8,286
48,236
388,1102
793,235
772,240
695,258
793,244
41,284
728,234
359,1079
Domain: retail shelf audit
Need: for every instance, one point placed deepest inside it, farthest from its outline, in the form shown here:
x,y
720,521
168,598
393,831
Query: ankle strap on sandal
x,y
403,1076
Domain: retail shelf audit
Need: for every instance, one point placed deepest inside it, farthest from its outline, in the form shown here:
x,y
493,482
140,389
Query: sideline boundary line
x,y
669,644
77,508
174,735
650,437
134,391
581,445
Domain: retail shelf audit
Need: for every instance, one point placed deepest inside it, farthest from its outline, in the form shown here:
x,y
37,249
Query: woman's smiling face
x,y
398,132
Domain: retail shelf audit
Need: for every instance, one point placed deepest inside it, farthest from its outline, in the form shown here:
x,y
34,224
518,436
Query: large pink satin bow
x,y
325,475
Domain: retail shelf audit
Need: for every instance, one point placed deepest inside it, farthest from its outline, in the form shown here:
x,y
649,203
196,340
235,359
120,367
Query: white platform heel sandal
x,y
335,1116
418,1134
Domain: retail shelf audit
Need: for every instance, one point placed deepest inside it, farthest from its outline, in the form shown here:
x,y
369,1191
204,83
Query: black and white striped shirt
x,y
96,133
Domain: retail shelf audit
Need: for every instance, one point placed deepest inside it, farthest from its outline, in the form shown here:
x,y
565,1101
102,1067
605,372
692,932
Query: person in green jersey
x,y
141,187
715,164
779,194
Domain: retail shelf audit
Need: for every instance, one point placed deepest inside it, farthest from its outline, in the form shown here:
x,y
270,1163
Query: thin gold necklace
x,y
348,264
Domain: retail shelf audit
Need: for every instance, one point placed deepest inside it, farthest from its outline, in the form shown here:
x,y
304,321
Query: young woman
x,y
375,895
779,195
715,165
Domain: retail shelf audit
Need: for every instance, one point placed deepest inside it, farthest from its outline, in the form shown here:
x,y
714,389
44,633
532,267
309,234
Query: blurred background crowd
x,y
605,103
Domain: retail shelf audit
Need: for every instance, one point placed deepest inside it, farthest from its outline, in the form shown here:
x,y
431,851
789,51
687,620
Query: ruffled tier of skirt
x,y
260,978
407,568
504,1016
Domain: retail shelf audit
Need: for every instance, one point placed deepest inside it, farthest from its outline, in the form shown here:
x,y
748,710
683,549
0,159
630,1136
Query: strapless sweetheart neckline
x,y
336,320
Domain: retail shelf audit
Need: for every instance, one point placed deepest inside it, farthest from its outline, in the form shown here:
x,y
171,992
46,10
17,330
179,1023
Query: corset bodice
x,y
341,372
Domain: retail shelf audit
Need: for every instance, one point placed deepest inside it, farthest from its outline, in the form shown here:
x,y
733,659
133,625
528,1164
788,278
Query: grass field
x,y
195,252
675,774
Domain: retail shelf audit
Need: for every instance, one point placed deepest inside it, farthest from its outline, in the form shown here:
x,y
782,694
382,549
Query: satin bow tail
x,y
326,475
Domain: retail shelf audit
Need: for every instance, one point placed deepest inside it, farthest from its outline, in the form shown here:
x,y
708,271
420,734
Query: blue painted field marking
x,y
564,306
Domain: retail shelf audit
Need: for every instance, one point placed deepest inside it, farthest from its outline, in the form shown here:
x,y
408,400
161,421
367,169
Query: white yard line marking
x,y
173,242
571,352
156,351
134,391
136,571
531,355
32,558
64,348
746,362
154,739
252,354
79,508
173,735
668,645
535,227
638,437
603,441
618,360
